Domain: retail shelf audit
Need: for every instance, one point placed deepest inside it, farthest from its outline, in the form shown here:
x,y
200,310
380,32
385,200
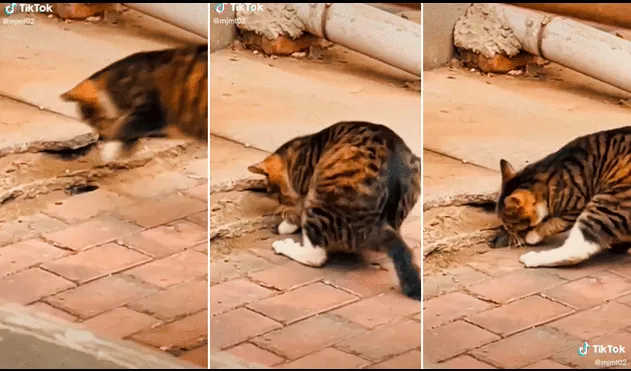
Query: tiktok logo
x,y
10,9
582,350
220,8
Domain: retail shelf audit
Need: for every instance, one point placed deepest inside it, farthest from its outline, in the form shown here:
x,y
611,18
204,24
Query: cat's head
x,y
274,168
95,106
518,208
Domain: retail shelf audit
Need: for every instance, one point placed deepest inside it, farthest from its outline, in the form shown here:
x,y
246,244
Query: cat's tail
x,y
404,264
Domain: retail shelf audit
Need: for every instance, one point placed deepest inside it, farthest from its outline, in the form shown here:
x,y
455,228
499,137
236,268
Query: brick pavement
x,y
126,261
275,312
493,313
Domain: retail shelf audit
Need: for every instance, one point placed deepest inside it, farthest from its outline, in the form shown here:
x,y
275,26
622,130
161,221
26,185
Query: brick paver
x,y
28,286
328,358
97,262
454,338
127,262
466,362
450,307
252,353
234,327
526,318
400,336
91,233
520,315
26,254
591,291
278,313
303,302
109,323
407,361
305,337
378,310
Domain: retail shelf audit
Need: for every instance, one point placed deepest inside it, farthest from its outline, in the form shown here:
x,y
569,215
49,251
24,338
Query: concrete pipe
x,y
191,17
571,44
606,13
386,37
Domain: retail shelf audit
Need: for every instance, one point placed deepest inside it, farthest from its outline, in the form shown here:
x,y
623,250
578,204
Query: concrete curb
x,y
222,360
35,340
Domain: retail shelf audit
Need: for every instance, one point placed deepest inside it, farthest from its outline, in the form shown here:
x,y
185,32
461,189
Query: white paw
x,y
531,259
282,246
286,227
533,238
111,151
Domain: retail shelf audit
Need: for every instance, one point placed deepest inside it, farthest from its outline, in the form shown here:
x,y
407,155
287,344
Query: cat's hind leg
x,y
121,138
602,222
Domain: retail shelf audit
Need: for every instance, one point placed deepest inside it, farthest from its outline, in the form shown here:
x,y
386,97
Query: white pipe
x,y
571,44
192,17
386,37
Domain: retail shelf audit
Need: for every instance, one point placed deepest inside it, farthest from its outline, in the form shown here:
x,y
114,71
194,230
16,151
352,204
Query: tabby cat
x,y
584,187
162,92
348,187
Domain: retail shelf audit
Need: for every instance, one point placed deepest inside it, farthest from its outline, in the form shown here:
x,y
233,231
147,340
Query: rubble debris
x,y
282,45
500,63
80,11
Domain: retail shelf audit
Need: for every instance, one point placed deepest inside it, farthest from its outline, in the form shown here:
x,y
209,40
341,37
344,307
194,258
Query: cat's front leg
x,y
305,253
574,250
586,237
547,229
287,227
291,219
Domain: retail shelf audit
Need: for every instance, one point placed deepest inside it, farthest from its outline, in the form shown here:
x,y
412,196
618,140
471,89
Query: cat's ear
x,y
85,92
507,170
258,168
272,166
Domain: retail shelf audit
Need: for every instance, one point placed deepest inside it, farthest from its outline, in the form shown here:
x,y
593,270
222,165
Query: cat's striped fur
x,y
348,187
584,187
163,92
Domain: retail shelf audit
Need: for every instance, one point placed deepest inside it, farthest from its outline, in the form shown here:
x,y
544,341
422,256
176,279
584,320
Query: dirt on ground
x,y
46,177
454,234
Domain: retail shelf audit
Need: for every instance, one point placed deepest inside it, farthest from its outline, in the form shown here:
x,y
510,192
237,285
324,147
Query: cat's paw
x,y
282,246
533,238
286,227
110,151
531,259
